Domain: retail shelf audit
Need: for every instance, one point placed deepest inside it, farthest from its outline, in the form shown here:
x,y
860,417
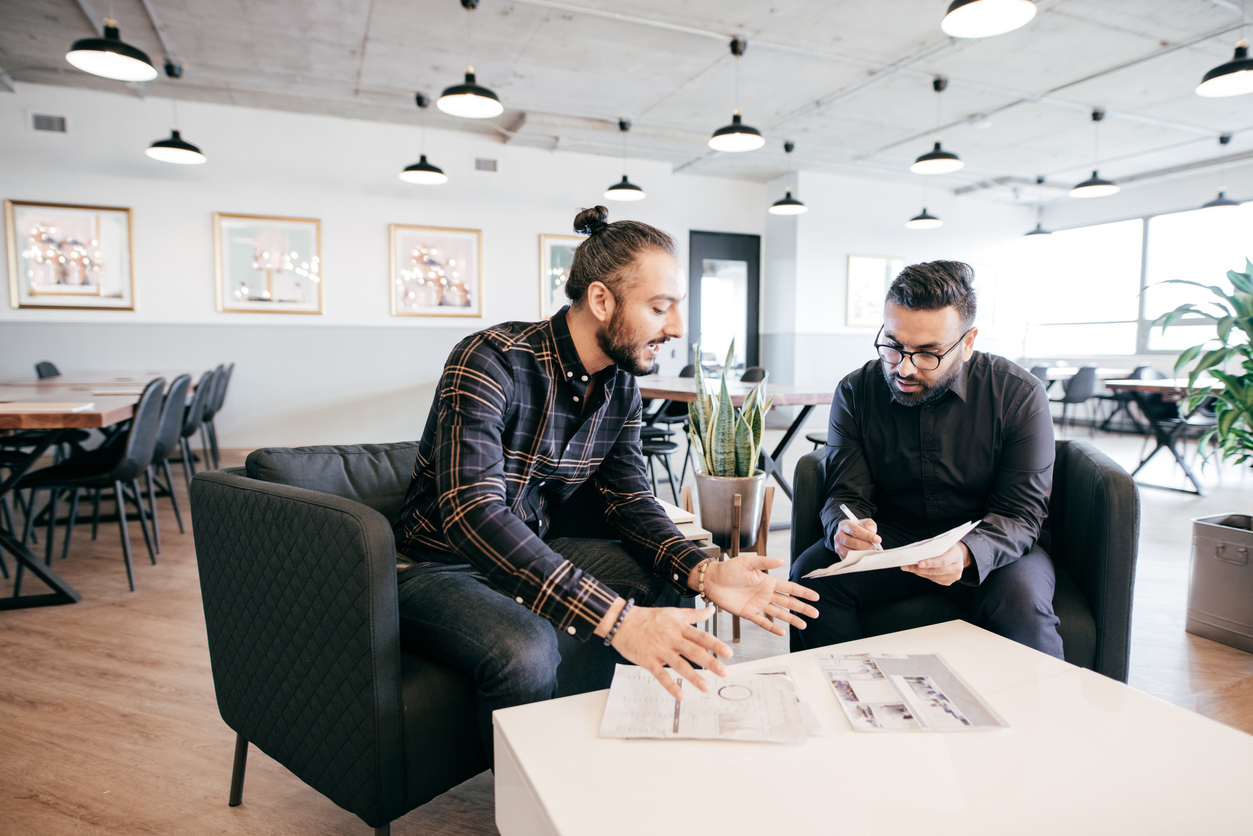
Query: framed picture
x,y
556,254
68,256
868,280
267,265
435,271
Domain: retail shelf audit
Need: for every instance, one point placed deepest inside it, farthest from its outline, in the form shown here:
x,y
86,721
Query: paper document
x,y
757,707
886,692
865,560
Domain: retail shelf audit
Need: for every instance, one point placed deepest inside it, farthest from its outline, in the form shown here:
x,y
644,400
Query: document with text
x,y
748,707
865,560
886,692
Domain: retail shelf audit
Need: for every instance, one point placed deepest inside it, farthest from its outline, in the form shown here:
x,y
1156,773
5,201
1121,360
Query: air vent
x,y
46,122
484,164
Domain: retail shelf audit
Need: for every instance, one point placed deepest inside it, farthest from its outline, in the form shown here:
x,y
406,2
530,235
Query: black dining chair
x,y
206,418
169,432
671,415
192,419
46,369
1042,373
660,449
1079,389
1121,402
219,397
753,374
818,438
116,467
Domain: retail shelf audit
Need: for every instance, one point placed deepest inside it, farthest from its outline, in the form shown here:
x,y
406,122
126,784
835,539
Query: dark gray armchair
x,y
298,575
1092,534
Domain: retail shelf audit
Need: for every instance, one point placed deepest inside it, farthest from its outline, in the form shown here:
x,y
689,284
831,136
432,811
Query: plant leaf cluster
x,y
727,442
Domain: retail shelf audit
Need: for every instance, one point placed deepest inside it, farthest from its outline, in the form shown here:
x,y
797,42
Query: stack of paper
x,y
865,560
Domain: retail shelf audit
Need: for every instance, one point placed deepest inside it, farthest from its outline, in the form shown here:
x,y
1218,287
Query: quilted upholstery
x,y
1092,534
373,474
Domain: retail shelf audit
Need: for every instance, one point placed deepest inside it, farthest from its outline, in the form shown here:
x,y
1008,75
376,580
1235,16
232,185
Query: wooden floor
x,y
110,724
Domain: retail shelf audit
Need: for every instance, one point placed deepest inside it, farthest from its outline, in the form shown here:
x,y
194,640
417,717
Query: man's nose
x,y
900,367
674,323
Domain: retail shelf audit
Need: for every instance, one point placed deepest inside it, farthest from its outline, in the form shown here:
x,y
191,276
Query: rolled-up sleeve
x,y
1018,502
474,394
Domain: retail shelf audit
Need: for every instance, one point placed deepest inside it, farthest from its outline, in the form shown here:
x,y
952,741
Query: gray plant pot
x,y
1220,596
717,503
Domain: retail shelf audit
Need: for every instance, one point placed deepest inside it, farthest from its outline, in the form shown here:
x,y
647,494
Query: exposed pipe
x,y
7,82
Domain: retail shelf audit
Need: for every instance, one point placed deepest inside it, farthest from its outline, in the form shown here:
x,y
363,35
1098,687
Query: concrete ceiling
x,y
848,81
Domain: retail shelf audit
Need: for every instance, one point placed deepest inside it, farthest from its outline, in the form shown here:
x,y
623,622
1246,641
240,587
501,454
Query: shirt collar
x,y
958,386
572,369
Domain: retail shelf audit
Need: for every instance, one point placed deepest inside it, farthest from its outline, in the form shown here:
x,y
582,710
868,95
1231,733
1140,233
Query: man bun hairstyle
x,y
609,254
934,285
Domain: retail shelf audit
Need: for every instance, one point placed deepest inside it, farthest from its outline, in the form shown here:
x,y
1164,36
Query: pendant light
x,y
937,160
737,136
788,205
175,149
985,18
423,173
469,100
110,57
923,220
1095,186
1235,78
1222,201
1039,233
625,190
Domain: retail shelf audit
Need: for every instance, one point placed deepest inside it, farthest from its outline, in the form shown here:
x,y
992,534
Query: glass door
x,y
724,299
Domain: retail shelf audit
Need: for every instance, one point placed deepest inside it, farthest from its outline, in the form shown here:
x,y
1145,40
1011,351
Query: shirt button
x,y
569,374
584,377
518,599
570,630
576,398
926,455
676,577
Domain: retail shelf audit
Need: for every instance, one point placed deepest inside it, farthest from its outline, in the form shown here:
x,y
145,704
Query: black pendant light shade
x,y
1094,186
470,100
175,150
937,161
109,57
985,18
423,174
736,137
923,220
788,205
624,190
1235,78
1221,202
1039,230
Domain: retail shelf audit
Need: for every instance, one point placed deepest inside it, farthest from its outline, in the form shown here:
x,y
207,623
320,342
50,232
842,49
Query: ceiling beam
x,y
92,17
6,82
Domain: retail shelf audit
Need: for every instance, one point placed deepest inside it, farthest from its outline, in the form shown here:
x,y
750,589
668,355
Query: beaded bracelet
x,y
622,615
704,564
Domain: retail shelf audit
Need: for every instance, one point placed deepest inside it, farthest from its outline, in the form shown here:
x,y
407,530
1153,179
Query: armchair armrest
x,y
809,493
299,592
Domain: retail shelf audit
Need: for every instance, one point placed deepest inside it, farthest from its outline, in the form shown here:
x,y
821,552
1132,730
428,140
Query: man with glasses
x,y
930,435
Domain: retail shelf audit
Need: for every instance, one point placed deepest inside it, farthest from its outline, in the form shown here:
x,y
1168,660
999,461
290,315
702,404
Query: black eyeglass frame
x,y
939,358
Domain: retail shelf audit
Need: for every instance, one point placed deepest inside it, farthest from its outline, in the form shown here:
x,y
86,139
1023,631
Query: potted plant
x,y
727,444
1220,596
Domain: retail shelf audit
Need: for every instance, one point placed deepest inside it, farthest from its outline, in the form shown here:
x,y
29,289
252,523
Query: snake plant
x,y
727,442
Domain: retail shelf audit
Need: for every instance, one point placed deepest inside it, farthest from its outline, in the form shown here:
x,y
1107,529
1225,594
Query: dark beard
x,y
626,356
928,392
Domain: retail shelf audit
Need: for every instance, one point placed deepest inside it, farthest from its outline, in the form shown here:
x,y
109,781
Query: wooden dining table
x,y
1168,432
806,397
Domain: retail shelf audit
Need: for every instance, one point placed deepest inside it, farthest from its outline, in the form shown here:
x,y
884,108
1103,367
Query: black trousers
x,y
1014,601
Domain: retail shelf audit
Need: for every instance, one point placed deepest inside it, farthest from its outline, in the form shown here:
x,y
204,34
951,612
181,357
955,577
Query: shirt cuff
x,y
686,558
588,610
981,560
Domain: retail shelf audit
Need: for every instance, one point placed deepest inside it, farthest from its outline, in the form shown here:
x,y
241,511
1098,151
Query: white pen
x,y
856,521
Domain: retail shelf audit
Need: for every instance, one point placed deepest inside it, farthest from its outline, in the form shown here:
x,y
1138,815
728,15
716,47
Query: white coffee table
x,y
1084,754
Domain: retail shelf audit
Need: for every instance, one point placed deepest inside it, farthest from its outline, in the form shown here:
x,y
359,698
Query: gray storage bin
x,y
1220,596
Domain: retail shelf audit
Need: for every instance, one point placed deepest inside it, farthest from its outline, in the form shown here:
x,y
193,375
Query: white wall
x,y
345,173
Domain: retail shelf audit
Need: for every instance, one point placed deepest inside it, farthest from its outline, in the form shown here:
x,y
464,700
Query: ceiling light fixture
x,y
788,205
937,160
737,136
1222,201
1235,78
109,57
985,18
924,220
470,100
423,173
625,190
175,149
1039,231
1095,186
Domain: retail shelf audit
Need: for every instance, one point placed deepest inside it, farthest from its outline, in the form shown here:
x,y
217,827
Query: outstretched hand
x,y
653,637
741,587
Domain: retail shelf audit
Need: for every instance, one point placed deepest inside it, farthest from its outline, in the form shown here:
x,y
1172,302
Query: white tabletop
x,y
1083,754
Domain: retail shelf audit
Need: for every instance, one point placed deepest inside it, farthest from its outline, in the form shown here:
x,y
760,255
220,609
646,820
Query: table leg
x,y
772,462
62,592
1166,439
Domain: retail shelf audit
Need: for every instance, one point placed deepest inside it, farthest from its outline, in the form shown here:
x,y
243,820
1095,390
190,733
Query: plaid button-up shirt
x,y
518,424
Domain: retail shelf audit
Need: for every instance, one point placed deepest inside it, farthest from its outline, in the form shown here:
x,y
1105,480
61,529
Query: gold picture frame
x,y
70,256
867,279
553,252
435,271
281,273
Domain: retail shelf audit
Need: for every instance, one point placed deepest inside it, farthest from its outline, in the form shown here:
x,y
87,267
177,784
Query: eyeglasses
x,y
924,361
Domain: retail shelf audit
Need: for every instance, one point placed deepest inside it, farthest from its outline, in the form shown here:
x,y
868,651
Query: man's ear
x,y
600,301
969,344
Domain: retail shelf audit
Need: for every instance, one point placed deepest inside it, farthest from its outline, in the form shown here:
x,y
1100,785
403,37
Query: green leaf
x,y
743,447
1188,355
1241,281
1226,421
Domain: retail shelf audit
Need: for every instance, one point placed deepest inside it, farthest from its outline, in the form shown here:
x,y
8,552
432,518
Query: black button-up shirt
x,y
982,451
518,425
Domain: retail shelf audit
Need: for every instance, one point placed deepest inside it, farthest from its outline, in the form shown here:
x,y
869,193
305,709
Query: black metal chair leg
x,y
237,771
665,461
189,463
95,513
143,519
7,510
204,445
29,527
169,485
213,445
69,526
152,508
120,499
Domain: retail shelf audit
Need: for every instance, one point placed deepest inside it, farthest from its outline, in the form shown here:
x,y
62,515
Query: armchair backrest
x,y
376,475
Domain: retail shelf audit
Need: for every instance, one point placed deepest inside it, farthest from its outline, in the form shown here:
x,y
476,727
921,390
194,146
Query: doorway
x,y
724,298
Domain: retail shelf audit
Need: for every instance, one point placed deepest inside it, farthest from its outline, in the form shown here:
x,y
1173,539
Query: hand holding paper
x,y
866,560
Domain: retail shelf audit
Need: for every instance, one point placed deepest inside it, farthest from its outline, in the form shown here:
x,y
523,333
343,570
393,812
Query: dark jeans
x,y
1014,601
450,614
